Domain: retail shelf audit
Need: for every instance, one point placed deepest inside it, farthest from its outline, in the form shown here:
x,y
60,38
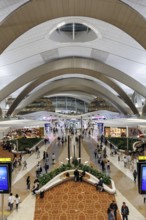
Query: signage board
x,y
5,175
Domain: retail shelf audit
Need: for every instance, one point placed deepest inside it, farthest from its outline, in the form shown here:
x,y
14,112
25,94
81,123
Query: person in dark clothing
x,y
102,166
95,153
135,175
114,206
81,175
99,185
44,155
124,211
110,213
45,140
46,167
35,188
76,175
28,183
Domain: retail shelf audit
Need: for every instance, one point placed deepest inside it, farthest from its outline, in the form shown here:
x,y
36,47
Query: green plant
x,y
75,161
47,177
122,142
26,143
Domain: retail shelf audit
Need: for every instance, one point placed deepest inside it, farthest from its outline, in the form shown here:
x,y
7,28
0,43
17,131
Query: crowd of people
x,y
100,154
113,208
13,200
78,176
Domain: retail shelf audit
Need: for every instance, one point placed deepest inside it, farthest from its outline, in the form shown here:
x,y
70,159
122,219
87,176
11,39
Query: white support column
x,y
127,135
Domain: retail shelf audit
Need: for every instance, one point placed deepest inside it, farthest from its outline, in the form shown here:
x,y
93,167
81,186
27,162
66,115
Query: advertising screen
x,y
47,127
143,178
4,178
100,127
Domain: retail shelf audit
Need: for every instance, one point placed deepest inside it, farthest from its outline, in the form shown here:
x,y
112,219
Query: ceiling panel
x,y
113,46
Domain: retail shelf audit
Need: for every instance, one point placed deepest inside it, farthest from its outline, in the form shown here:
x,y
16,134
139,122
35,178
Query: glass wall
x,y
69,105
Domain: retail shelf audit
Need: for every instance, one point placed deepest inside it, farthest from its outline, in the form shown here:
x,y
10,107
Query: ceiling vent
x,y
73,32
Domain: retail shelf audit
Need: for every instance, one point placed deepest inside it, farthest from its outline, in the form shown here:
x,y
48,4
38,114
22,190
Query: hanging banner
x,y
47,128
100,127
41,132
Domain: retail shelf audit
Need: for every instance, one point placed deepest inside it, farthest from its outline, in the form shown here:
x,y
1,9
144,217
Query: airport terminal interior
x,y
72,100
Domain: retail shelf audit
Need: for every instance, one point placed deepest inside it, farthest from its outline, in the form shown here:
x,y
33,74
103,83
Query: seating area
x,y
89,178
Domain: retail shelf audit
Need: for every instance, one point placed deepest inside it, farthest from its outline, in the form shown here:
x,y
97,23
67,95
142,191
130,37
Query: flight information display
x,y
143,178
4,178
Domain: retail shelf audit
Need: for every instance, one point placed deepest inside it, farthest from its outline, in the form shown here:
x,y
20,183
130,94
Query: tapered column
x,y
81,125
2,195
79,149
68,149
127,136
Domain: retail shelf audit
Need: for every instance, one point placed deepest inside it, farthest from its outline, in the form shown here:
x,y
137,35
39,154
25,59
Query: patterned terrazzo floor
x,y
6,154
73,201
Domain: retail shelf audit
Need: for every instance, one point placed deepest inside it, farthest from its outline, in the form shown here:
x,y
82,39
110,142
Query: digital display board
x,y
4,178
141,170
143,178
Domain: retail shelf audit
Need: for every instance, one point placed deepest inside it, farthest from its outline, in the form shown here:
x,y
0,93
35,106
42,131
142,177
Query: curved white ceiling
x,y
34,48
9,6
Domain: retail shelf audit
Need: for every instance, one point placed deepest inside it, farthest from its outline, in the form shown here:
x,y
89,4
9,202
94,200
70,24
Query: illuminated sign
x,y
142,158
5,159
141,170
5,175
4,178
143,178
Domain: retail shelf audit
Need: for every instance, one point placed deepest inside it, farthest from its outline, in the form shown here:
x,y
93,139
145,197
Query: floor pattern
x,y
6,154
73,201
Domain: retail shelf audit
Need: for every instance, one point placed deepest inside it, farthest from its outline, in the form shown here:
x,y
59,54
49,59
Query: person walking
x,y
53,158
24,165
11,199
28,183
47,158
38,154
95,153
125,161
44,155
17,201
102,165
114,207
37,170
135,175
46,167
111,215
108,166
36,149
124,211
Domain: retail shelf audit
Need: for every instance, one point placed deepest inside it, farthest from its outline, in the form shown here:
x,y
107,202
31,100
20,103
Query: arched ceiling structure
x,y
80,85
51,74
36,12
116,60
73,65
